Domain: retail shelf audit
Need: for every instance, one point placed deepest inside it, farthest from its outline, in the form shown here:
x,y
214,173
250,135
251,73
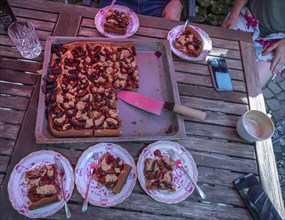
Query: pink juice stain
x,y
254,128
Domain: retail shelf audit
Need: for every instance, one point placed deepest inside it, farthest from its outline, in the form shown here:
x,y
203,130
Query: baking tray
x,y
157,79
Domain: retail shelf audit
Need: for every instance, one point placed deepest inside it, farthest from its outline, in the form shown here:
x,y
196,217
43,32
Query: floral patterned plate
x,y
133,26
207,43
184,186
17,185
100,195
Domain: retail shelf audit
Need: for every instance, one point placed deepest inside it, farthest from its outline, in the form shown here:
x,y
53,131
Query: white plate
x,y
184,186
17,185
133,26
207,43
101,196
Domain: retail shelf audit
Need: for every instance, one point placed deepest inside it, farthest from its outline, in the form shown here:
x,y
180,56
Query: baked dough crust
x,y
90,130
110,28
183,44
44,202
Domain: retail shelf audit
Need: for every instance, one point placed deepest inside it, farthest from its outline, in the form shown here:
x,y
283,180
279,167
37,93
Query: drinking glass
x,y
25,38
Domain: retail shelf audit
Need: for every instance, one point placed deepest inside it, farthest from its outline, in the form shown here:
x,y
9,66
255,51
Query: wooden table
x,y
221,155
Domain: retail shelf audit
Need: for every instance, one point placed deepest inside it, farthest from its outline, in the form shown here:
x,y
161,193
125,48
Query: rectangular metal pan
x,y
157,79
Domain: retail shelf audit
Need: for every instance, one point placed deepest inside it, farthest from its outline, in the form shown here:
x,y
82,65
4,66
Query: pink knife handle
x,y
183,110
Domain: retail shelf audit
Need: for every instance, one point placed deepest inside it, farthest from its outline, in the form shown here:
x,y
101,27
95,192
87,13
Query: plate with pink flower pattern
x,y
99,195
184,186
206,41
133,25
17,186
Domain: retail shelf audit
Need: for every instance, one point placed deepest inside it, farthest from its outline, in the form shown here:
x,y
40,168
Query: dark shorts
x,y
144,7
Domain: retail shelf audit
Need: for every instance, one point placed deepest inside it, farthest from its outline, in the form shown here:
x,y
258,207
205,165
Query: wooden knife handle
x,y
183,110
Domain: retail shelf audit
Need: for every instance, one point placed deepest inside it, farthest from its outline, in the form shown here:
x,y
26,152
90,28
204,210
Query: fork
x,y
191,11
180,164
62,172
112,4
93,164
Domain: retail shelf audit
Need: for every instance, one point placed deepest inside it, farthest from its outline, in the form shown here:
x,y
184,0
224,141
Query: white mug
x,y
255,126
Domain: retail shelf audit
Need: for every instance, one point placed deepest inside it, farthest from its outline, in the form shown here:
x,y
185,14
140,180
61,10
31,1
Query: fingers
x,y
226,24
277,64
269,49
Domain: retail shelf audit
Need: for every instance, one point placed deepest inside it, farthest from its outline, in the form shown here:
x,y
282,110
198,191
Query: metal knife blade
x,y
155,106
140,101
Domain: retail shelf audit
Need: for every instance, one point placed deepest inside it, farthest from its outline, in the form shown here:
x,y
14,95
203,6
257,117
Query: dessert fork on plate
x,y
62,172
93,164
180,164
112,4
191,11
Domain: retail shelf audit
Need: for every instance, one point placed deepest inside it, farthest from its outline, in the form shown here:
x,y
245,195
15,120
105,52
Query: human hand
x,y
173,10
278,50
230,21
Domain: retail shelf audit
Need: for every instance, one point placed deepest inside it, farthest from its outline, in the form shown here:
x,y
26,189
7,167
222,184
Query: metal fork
x,y
62,172
112,4
93,164
180,164
191,11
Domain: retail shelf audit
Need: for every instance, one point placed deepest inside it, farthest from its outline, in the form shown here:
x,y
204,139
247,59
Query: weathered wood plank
x,y
215,194
206,81
4,161
186,209
25,145
42,34
264,149
225,44
219,146
224,52
13,52
217,176
203,92
212,131
55,7
17,76
160,23
40,25
203,69
11,116
221,194
26,13
13,89
6,146
217,118
94,212
9,131
19,103
225,162
72,157
5,41
231,63
30,66
213,105
87,32
71,24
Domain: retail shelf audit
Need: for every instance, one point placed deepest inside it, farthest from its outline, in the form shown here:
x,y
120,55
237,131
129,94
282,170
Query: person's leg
x,y
264,72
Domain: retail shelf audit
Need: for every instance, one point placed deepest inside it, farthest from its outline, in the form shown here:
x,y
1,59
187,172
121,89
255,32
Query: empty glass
x,y
25,38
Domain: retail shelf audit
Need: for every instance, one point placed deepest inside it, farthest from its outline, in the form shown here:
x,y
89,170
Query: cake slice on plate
x,y
116,22
42,186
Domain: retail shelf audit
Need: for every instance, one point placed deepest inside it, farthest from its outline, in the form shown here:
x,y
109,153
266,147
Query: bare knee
x,y
264,72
